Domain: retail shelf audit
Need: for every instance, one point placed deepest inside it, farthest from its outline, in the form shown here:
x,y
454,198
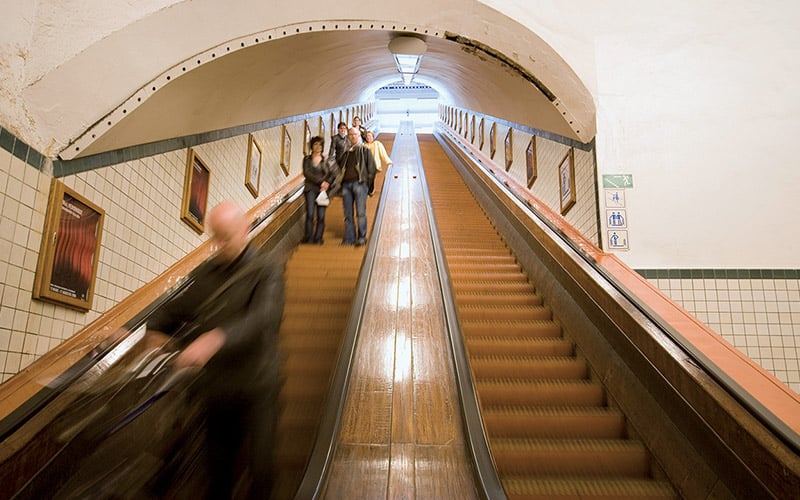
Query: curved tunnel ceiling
x,y
233,85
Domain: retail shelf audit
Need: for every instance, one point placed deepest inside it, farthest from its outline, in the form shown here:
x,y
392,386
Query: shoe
x,y
304,241
360,242
372,193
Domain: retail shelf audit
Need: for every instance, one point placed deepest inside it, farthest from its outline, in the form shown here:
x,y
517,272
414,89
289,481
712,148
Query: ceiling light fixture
x,y
407,52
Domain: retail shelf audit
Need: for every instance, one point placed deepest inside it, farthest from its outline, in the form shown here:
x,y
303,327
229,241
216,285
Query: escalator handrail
x,y
763,414
44,396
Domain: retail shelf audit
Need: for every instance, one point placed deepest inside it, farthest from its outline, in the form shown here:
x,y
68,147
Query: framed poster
x,y
492,140
566,181
286,150
334,130
460,122
68,256
321,126
466,125
480,133
195,192
509,148
472,130
306,138
531,168
252,174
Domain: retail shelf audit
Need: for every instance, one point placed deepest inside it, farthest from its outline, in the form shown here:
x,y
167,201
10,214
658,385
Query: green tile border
x,y
20,149
765,274
62,168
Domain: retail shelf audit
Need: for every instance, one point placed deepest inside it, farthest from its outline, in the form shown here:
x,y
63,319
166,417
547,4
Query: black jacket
x,y
248,310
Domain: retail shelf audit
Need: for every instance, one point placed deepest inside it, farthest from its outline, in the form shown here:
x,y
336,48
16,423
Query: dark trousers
x,y
314,211
240,431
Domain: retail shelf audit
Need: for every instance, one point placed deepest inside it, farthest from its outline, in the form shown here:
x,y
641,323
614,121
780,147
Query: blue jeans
x,y
313,210
354,192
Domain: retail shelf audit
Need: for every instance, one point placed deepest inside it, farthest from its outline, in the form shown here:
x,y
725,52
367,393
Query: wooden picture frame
x,y
70,249
481,134
531,166
252,173
306,138
492,140
286,149
472,131
566,181
195,192
508,144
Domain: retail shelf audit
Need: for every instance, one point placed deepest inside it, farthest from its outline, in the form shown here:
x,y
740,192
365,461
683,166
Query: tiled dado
x,y
18,148
756,310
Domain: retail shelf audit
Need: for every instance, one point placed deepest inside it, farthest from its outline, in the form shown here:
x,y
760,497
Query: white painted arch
x,y
172,69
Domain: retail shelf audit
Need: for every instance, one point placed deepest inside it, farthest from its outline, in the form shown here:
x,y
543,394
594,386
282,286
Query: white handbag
x,y
322,199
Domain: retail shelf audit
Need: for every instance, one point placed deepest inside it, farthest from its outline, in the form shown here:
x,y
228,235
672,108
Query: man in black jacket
x,y
356,173
234,308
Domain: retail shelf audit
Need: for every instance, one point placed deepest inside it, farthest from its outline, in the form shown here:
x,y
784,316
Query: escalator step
x,y
489,299
550,422
496,345
541,392
546,488
596,457
511,328
493,312
529,367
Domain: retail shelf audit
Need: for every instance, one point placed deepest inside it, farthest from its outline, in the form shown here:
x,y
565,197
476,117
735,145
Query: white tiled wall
x,y
760,317
142,234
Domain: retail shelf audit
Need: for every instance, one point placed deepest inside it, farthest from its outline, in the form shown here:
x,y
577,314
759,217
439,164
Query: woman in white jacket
x,y
381,156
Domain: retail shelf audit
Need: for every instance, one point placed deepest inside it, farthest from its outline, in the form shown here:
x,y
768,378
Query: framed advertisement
x,y
509,148
306,138
286,150
195,192
531,168
480,133
472,130
492,141
252,175
566,181
321,127
68,256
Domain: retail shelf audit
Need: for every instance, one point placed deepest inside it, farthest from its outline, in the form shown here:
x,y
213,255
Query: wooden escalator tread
x,y
548,423
320,285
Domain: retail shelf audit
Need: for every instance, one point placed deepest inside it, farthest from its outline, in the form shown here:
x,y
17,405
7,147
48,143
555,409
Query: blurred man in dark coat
x,y
232,311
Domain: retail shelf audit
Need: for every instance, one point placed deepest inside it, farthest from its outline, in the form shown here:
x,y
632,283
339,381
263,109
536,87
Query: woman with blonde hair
x,y
379,153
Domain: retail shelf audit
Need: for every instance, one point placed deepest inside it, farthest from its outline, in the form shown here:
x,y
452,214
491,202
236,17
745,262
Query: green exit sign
x,y
618,181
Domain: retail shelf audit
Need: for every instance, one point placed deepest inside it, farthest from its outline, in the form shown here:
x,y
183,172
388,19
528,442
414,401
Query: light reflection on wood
x,y
401,433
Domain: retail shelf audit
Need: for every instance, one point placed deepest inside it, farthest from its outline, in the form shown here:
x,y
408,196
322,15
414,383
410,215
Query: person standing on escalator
x,y
356,173
233,339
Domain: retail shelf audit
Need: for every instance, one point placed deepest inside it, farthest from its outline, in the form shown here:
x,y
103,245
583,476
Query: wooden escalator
x,y
552,430
320,287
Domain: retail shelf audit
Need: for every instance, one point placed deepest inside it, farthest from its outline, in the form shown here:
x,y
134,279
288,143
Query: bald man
x,y
233,309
